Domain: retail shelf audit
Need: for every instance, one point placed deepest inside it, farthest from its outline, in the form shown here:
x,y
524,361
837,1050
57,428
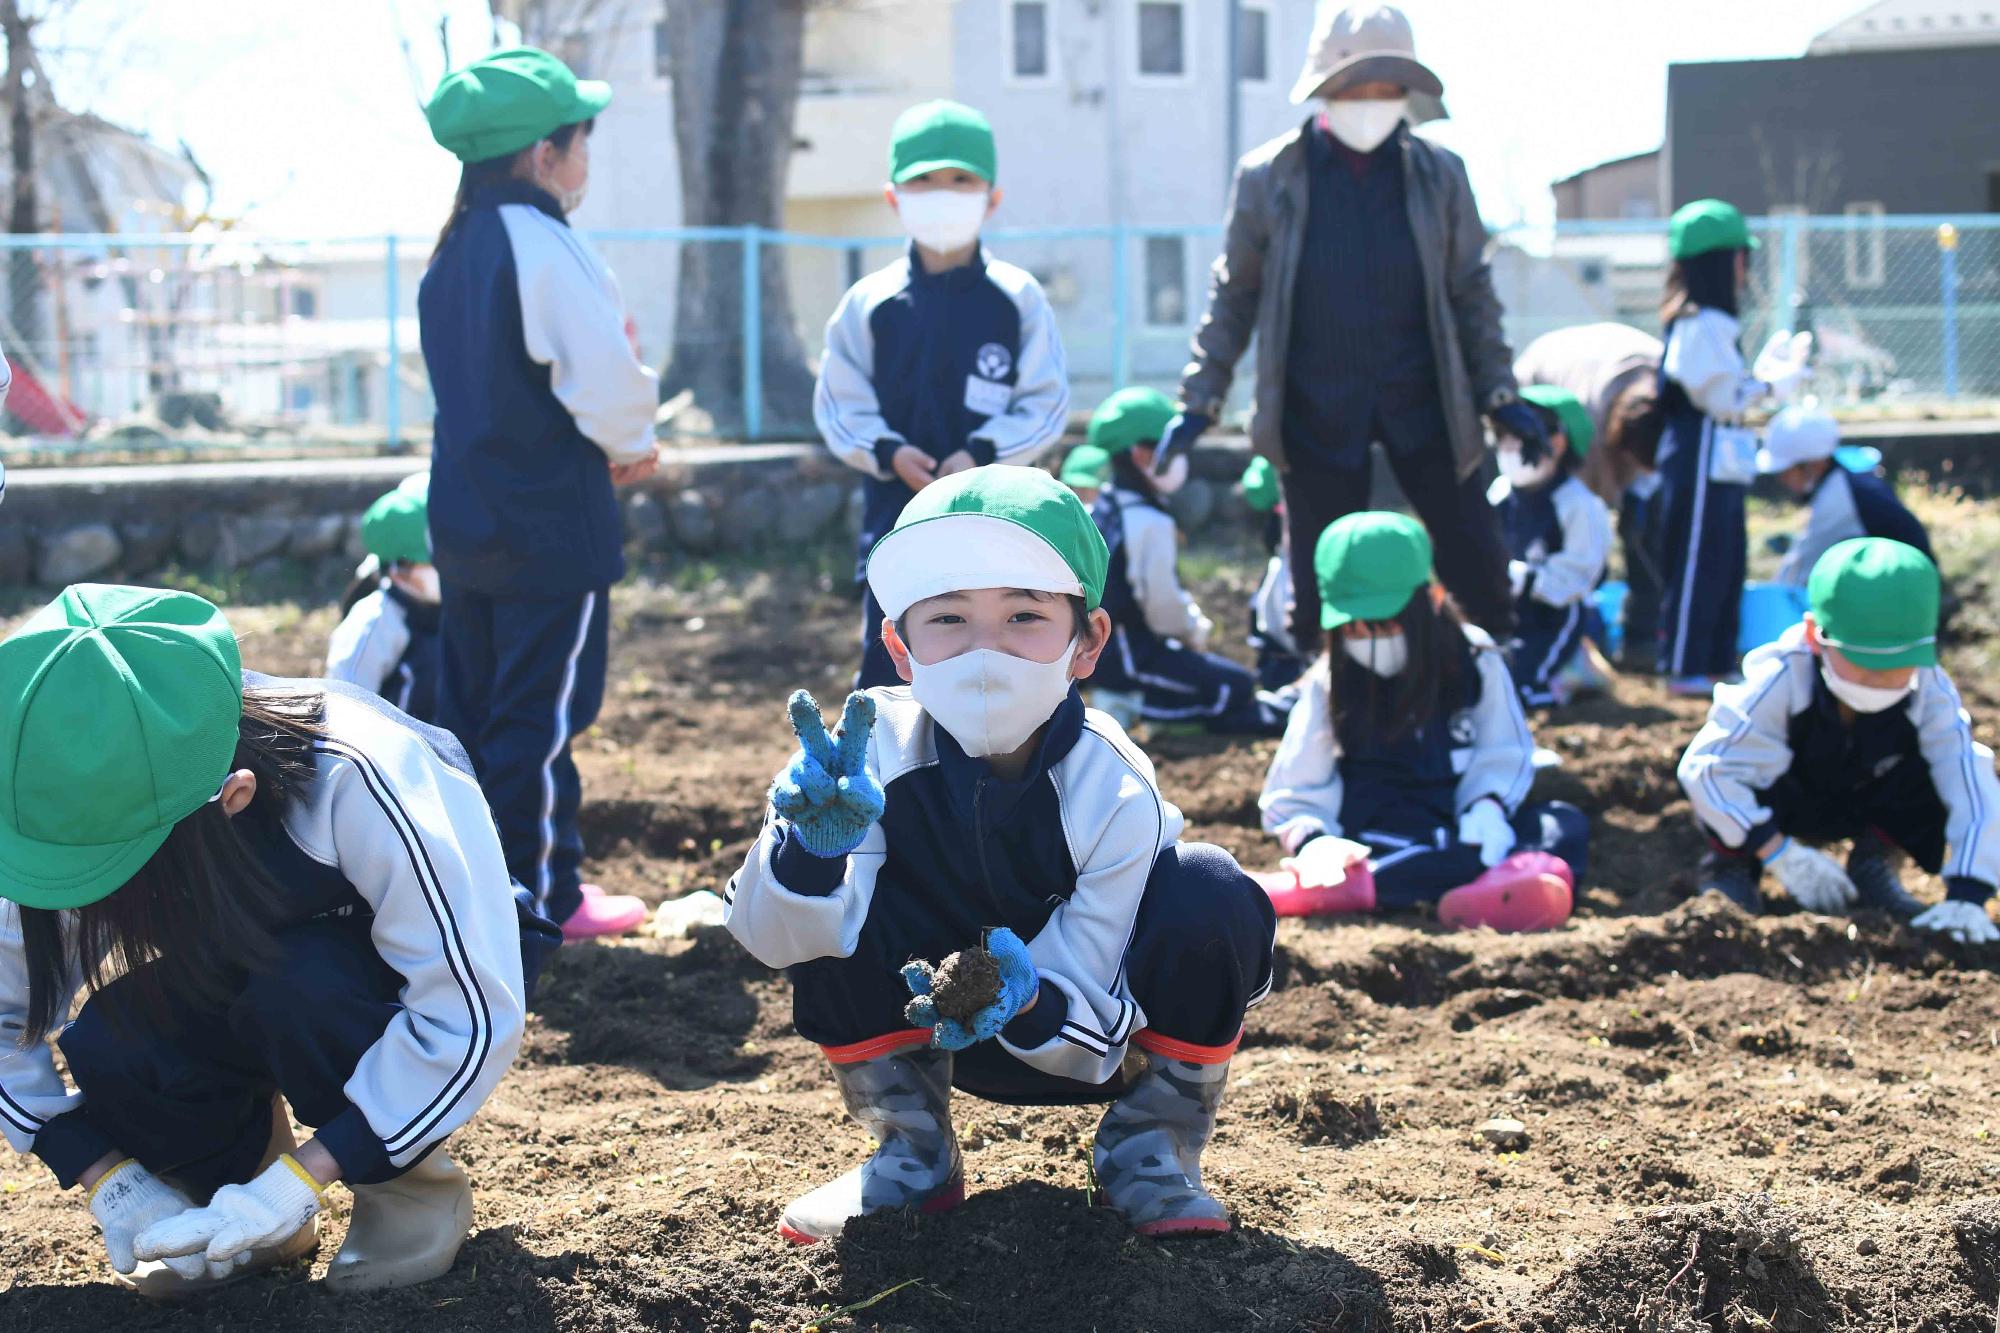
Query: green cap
x,y
502,103
1569,410
1086,465
120,715
934,135
1129,417
1260,485
1368,566
1877,601
1706,225
397,526
997,526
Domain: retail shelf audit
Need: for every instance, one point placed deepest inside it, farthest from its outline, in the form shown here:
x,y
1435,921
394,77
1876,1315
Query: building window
x,y
1162,34
1029,45
1866,245
663,64
305,303
1166,281
1253,44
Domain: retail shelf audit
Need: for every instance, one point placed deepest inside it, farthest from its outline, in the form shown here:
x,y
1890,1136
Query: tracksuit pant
x,y
1199,957
1547,639
1704,553
1417,860
522,676
1470,552
1639,534
1828,799
1182,685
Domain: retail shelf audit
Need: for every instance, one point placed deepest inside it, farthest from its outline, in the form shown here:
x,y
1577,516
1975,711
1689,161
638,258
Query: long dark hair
x,y
197,916
366,580
475,176
1423,691
1700,281
1127,475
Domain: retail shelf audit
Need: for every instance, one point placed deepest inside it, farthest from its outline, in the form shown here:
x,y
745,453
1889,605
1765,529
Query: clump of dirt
x,y
963,984
1320,1116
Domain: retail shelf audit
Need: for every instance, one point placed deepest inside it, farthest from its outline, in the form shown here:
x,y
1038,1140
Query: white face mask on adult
x,y
1366,124
990,701
1175,477
1865,698
1384,654
1523,476
942,220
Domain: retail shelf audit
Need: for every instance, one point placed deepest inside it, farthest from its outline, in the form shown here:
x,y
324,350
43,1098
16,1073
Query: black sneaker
x,y
1871,865
1735,878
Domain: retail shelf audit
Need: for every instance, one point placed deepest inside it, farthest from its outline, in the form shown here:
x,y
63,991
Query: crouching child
x,y
1847,728
979,802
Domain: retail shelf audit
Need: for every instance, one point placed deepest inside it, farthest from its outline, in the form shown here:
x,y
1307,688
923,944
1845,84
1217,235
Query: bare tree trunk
x,y
736,86
24,287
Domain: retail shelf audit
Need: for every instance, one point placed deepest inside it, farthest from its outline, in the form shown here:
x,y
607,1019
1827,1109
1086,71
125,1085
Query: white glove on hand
x,y
126,1200
1517,577
1484,825
1204,630
239,1219
1323,862
1814,879
1965,922
1782,363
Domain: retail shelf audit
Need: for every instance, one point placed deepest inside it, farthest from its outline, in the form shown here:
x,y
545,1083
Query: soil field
x,y
1732,1124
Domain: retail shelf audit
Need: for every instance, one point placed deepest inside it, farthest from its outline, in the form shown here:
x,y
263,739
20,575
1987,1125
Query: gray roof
x,y
1901,25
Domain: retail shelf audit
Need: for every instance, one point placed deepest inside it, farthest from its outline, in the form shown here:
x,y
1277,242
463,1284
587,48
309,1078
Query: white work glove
x,y
125,1201
1517,578
239,1219
1484,825
1782,363
1323,862
1814,879
1965,922
1204,630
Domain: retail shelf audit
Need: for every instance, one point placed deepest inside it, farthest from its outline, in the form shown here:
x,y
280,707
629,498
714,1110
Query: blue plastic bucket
x,y
1769,609
1611,609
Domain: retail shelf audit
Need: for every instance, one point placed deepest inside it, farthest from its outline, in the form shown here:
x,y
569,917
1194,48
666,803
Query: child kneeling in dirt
x,y
306,898
990,800
1846,727
1404,769
387,639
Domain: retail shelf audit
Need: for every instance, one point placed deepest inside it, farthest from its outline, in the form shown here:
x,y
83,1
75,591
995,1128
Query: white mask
x,y
1384,654
1175,477
1865,698
990,701
571,200
1366,125
942,220
1519,475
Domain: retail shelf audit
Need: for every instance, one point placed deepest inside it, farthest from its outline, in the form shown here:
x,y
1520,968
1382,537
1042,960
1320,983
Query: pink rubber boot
x,y
601,914
1289,897
1527,891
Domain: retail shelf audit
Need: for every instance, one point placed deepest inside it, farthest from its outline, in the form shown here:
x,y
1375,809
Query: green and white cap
x,y
397,526
119,712
1570,412
1369,565
506,101
1707,225
1130,417
1876,600
997,526
934,136
1261,487
1085,465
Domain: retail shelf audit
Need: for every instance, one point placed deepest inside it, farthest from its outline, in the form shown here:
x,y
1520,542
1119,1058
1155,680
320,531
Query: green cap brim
x,y
58,877
1922,653
1378,606
915,169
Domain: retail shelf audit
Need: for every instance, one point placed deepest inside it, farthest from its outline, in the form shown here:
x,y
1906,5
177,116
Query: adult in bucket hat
x,y
1847,728
274,862
1355,258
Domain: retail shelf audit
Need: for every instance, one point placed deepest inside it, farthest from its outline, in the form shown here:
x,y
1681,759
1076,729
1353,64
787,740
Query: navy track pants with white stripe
x,y
521,677
1416,862
1546,639
1704,557
1200,955
194,1101
1182,685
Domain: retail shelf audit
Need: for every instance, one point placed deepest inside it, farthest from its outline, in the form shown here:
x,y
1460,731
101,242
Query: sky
x,y
306,112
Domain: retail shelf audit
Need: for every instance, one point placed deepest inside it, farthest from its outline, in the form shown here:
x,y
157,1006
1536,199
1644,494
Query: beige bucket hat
x,y
1365,44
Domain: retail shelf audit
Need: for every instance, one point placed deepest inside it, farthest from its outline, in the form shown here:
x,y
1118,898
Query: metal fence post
x,y
1947,241
392,392
1121,300
753,332
1789,295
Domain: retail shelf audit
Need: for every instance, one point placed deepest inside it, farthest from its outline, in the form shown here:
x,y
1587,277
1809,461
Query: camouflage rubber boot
x,y
1148,1154
1872,867
904,1100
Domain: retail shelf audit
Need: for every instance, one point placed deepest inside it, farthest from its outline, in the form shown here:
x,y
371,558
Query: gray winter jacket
x,y
1250,291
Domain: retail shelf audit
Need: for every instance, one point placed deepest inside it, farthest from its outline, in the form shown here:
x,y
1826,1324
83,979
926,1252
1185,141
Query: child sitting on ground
x,y
1846,727
1159,636
1559,534
1408,754
986,800
1799,448
387,639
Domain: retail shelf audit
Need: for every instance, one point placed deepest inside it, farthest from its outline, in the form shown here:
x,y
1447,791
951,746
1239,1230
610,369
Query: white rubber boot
x,y
404,1231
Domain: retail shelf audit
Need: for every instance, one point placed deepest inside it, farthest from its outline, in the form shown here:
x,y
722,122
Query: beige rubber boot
x,y
156,1281
404,1231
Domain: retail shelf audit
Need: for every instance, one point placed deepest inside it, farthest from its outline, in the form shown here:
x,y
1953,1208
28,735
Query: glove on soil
x,y
240,1218
826,793
1814,879
127,1200
1965,922
1019,983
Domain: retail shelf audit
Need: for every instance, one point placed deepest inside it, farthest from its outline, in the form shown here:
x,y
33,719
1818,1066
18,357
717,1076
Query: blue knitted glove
x,y
1177,438
1019,983
1520,421
826,793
